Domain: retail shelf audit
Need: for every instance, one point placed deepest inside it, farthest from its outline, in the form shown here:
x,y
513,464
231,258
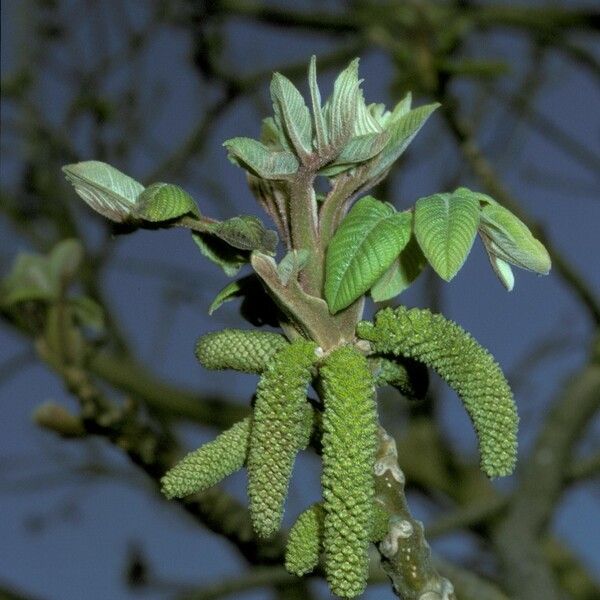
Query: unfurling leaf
x,y
221,253
88,312
164,202
291,264
503,271
315,96
509,239
340,109
246,233
41,277
65,259
349,441
402,272
366,243
401,133
229,292
466,366
291,114
445,227
260,160
108,191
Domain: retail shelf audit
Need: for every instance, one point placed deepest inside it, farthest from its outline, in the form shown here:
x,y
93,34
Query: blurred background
x,y
154,88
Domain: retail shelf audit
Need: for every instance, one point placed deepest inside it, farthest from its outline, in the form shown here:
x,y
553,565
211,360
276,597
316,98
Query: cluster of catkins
x,y
396,349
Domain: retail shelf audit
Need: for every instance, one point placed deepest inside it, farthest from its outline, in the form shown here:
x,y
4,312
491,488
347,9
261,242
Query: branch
x,y
405,554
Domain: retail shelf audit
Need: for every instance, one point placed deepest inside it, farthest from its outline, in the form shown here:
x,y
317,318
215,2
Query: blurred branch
x,y
541,482
169,400
584,468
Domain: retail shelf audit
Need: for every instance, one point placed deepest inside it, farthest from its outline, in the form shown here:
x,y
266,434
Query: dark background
x,y
74,87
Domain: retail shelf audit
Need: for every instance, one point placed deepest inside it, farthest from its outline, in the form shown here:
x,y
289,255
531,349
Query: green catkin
x,y
238,349
211,463
305,540
225,455
277,432
465,365
409,377
349,443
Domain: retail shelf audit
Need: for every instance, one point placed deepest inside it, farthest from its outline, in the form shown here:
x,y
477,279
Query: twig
x,y
405,554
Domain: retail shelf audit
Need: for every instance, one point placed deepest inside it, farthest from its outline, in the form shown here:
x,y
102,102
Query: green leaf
x,y
291,264
402,108
88,312
508,238
363,147
216,250
65,259
364,246
503,271
29,279
402,132
229,292
315,96
246,233
258,159
342,105
291,113
402,272
365,122
108,191
445,226
164,202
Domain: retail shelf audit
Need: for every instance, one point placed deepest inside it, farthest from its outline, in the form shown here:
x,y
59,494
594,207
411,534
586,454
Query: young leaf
x,y
315,96
341,107
108,191
29,279
291,113
402,132
402,108
228,258
510,239
260,160
367,241
503,271
65,259
291,264
229,292
246,233
445,226
365,122
163,202
88,312
402,272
